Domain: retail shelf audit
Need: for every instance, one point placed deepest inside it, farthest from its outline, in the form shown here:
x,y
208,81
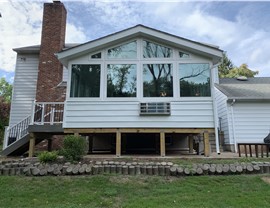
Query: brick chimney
x,y
52,41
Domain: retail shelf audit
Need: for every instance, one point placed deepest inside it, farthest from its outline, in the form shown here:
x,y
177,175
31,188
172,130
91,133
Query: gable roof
x,y
257,88
142,31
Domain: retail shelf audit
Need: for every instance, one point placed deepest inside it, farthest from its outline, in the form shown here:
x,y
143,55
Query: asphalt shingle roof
x,y
252,88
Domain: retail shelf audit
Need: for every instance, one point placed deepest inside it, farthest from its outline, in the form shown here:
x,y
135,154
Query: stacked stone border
x,y
34,168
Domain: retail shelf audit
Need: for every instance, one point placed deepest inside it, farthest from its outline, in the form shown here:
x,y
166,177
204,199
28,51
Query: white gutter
x,y
233,129
215,110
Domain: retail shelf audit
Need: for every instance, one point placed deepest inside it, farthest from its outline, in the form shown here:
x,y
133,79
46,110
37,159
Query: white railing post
x,y
42,114
20,134
33,112
52,116
5,143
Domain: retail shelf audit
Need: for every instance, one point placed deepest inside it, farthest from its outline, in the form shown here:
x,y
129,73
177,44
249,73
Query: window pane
x,y
194,80
183,55
157,80
85,80
152,50
121,80
96,56
126,51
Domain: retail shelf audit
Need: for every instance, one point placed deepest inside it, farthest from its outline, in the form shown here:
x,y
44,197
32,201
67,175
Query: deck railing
x,y
44,113
16,132
48,113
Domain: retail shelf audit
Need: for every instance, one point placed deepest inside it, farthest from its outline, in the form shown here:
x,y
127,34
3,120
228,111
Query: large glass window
x,y
153,50
157,80
125,51
85,80
194,80
121,80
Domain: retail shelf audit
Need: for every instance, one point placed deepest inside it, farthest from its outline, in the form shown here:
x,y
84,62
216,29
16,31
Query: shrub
x,y
73,148
46,157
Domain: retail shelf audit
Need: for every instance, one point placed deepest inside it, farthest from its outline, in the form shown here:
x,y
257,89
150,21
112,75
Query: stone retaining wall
x,y
130,168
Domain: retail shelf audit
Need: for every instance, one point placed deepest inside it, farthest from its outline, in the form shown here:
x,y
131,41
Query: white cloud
x,y
75,34
244,40
20,26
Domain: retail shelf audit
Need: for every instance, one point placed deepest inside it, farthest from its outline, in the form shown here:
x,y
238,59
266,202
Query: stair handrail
x,y
20,130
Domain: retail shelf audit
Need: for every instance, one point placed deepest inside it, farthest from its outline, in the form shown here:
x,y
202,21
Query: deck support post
x,y
50,145
190,143
206,144
162,144
90,144
31,145
118,143
123,143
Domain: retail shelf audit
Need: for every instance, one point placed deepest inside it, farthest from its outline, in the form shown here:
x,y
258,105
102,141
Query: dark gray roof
x,y
257,88
36,48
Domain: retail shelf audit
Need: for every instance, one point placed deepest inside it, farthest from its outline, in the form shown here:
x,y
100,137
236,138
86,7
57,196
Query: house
x,y
243,110
139,90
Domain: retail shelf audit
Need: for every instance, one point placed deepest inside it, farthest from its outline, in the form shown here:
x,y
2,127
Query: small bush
x,y
47,157
73,148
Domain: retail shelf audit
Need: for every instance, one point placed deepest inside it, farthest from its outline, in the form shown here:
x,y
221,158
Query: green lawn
x,y
138,191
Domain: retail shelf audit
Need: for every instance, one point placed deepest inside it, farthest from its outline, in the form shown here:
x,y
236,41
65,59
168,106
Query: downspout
x,y
215,110
233,130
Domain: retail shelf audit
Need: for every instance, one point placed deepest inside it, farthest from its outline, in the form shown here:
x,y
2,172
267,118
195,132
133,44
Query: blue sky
x,y
240,28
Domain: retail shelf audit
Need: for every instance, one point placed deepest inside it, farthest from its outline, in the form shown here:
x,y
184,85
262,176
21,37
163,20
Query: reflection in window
x,y
121,80
157,80
183,55
96,56
194,80
85,80
153,50
125,51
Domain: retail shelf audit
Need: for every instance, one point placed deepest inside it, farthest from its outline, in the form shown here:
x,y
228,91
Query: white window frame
x,y
175,60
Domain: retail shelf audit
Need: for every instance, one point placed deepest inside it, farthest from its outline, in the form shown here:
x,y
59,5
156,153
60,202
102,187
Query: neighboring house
x,y
135,91
243,110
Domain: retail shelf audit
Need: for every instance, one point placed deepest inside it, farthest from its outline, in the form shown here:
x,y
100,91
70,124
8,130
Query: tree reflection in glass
x,y
194,80
157,80
153,50
125,51
121,80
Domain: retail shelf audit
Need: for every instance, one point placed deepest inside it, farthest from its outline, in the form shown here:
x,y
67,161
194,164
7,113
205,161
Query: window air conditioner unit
x,y
158,108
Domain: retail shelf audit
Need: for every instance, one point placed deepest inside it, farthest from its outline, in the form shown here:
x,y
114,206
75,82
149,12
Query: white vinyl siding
x,y
222,108
126,115
24,87
65,74
252,121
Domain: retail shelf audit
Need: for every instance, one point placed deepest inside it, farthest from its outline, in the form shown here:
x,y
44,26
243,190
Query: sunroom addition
x,y
140,69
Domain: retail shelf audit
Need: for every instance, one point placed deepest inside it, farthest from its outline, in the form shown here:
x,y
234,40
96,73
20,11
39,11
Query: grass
x,y
137,191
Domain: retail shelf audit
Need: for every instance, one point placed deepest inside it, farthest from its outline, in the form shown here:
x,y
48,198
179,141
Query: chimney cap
x,y
56,1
